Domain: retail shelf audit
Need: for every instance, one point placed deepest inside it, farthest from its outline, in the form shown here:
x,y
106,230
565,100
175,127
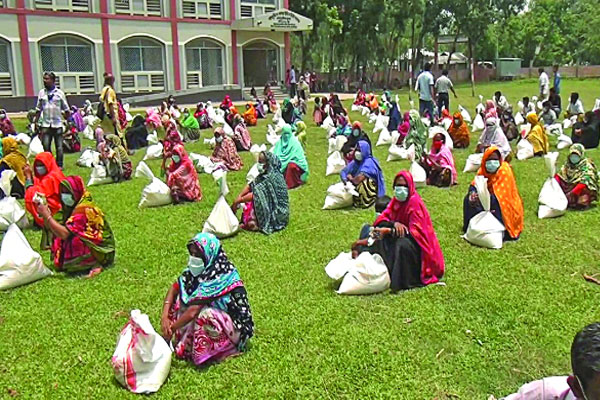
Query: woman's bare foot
x,y
95,272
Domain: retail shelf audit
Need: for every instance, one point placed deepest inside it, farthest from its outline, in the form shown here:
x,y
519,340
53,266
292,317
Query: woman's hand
x,y
166,327
400,230
43,210
474,199
27,171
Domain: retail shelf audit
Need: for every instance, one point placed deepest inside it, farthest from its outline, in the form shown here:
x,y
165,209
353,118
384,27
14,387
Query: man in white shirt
x,y
500,102
425,86
292,81
442,85
584,384
544,85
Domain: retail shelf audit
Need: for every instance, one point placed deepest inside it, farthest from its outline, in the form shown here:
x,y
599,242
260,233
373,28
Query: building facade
x,y
149,45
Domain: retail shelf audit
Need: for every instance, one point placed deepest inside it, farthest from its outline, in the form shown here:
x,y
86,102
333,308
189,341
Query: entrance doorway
x,y
261,64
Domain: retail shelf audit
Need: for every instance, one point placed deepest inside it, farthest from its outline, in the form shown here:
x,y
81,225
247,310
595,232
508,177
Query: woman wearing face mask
x,y
417,134
404,237
343,126
508,124
225,151
117,161
15,160
301,133
84,241
182,178
241,135
266,201
250,116
575,107
506,203
579,179
294,164
537,135
493,135
45,180
206,314
6,125
459,132
190,128
439,164
366,175
357,135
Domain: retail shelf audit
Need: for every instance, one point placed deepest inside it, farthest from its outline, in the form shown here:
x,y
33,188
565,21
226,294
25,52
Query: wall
x,y
583,71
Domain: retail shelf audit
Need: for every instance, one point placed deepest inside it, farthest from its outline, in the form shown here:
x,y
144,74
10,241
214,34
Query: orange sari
x,y
459,132
250,115
503,185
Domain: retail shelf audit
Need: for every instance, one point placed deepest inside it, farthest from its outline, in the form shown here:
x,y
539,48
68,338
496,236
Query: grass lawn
x,y
522,304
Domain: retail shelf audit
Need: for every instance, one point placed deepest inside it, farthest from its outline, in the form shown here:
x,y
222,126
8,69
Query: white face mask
x,y
401,193
491,166
574,158
67,199
219,139
176,159
358,156
196,265
261,168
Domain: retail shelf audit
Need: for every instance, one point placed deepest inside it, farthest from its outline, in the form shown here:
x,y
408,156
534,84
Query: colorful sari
x,y
417,135
404,128
580,182
241,135
294,165
226,153
413,214
301,133
444,158
224,323
47,185
119,166
373,186
459,132
537,135
250,115
271,204
91,243
190,128
182,178
13,158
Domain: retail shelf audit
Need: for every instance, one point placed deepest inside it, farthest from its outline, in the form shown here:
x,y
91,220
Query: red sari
x,y
48,185
182,178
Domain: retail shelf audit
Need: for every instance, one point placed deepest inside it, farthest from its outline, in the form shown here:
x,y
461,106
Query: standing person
x,y
442,85
544,84
293,81
557,79
110,114
425,86
51,112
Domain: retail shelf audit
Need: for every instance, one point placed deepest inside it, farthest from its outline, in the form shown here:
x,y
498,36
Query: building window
x,y
203,9
72,60
139,7
6,88
204,61
142,65
63,5
254,8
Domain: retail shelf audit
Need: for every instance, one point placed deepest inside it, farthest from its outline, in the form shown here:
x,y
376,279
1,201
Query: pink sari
x,y
182,178
414,215
445,159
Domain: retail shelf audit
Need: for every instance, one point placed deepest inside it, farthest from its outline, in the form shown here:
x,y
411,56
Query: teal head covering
x,y
288,149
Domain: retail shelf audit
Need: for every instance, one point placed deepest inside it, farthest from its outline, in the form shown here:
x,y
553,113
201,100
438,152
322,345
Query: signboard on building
x,y
279,21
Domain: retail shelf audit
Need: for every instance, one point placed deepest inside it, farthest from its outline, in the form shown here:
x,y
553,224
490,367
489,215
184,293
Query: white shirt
x,y
576,108
502,102
424,83
554,388
443,84
544,83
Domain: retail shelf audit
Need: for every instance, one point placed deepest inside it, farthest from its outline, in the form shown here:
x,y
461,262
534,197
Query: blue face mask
x,y
40,170
67,199
492,166
176,159
401,193
219,139
196,265
574,158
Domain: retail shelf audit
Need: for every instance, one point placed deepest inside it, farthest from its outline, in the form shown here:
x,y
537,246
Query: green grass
x,y
524,302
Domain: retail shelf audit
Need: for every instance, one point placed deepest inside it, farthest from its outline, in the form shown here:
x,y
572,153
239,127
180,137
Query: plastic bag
x,y
552,199
524,150
418,173
154,152
484,229
221,222
336,143
381,123
142,359
99,176
23,138
564,141
35,147
328,123
519,120
339,196
88,158
426,122
152,138
335,163
385,138
554,129
478,124
396,153
446,123
473,162
365,111
368,275
355,107
11,211
256,149
156,193
252,174
19,264
339,266
272,138
465,114
596,105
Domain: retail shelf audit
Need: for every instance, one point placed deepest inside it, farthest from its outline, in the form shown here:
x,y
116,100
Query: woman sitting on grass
x,y
493,135
84,241
118,164
202,117
225,151
505,200
459,132
266,201
417,135
294,165
439,164
537,135
366,175
15,160
241,135
182,178
190,128
404,237
587,132
45,181
579,179
206,315
300,133
250,116
137,134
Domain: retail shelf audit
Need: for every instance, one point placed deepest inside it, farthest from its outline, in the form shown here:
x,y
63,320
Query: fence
x,y
580,71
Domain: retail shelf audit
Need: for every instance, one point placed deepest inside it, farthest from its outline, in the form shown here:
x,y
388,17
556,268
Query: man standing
x,y
292,81
426,91
442,85
53,109
544,85
557,78
108,98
